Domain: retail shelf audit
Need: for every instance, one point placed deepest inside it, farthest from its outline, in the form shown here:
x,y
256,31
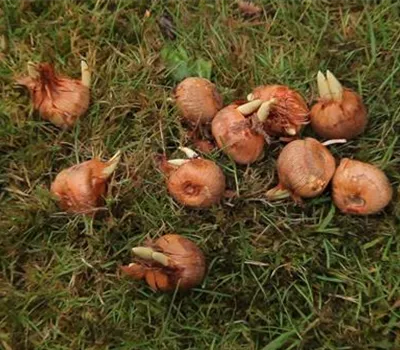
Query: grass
x,y
279,276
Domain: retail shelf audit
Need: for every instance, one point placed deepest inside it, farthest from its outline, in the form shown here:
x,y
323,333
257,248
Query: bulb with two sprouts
x,y
79,189
289,112
169,263
195,182
340,112
59,99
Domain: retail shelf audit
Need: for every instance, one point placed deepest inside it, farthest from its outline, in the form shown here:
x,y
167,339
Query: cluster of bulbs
x,y
241,130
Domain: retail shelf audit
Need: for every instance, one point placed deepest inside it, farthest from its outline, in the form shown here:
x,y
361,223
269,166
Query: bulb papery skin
x,y
133,270
79,189
198,100
185,268
333,119
235,137
360,188
198,183
288,115
60,100
305,167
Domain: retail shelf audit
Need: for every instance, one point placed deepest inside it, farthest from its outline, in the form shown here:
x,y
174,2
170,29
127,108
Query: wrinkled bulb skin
x,y
288,114
360,188
235,138
80,188
305,168
198,100
182,264
198,183
340,112
60,100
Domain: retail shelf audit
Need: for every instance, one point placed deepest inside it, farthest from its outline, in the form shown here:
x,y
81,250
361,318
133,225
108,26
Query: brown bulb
x,y
289,112
79,189
340,112
305,168
170,262
197,100
234,134
197,183
60,100
360,188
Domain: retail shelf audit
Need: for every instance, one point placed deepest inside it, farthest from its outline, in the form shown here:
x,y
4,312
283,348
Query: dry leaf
x,y
249,9
167,27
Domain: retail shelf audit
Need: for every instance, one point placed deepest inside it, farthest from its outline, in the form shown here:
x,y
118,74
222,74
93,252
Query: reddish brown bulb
x,y
360,188
234,134
196,182
197,100
305,168
79,189
340,112
288,114
60,100
169,263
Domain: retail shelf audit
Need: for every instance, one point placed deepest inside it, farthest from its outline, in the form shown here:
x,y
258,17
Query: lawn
x,y
279,276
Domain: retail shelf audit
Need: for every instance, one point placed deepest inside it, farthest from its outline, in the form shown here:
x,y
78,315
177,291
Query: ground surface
x,y
279,276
